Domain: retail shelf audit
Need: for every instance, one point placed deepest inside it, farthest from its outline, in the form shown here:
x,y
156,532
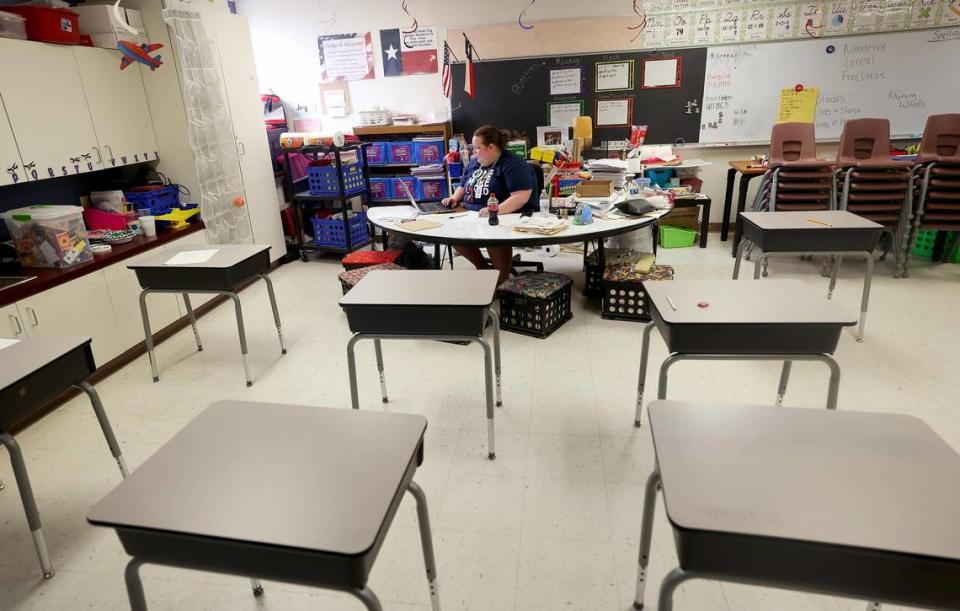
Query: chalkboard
x,y
516,94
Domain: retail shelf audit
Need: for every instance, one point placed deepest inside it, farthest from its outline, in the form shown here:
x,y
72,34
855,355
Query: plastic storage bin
x,y
332,231
660,176
624,295
925,241
381,188
12,26
94,218
412,184
45,24
676,237
535,303
400,152
49,236
428,151
160,200
376,153
433,188
455,169
324,181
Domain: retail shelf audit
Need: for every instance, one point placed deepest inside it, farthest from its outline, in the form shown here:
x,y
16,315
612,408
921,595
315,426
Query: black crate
x,y
624,297
535,303
593,286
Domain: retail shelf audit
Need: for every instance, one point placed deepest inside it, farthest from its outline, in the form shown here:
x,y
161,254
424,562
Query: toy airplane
x,y
133,53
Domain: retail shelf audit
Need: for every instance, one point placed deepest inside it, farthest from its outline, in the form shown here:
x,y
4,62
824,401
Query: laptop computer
x,y
424,207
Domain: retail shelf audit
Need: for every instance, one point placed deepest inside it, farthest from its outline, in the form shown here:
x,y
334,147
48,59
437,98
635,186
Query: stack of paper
x,y
434,170
540,225
613,170
652,154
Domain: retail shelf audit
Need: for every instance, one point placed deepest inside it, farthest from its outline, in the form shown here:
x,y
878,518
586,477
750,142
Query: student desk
x,y
724,320
293,493
32,373
230,267
853,504
831,233
426,305
748,170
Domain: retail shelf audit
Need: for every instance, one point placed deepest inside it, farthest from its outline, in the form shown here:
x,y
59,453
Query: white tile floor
x,y
552,523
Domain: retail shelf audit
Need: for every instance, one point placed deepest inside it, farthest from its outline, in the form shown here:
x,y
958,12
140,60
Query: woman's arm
x,y
516,201
457,198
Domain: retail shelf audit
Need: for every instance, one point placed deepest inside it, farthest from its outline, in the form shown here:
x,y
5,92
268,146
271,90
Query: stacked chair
x,y
935,182
872,185
796,179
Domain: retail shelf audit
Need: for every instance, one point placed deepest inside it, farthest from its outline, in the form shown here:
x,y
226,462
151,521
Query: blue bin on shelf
x,y
376,153
332,232
381,188
400,152
428,151
660,176
322,180
398,192
432,189
159,201
455,169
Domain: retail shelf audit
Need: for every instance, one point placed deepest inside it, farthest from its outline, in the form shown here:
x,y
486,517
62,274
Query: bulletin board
x,y
522,94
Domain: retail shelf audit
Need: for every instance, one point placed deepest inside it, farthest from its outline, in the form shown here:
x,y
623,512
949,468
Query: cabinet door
x,y
11,323
80,307
124,293
118,106
41,89
11,167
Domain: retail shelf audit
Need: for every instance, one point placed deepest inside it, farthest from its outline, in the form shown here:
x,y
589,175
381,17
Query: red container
x,y
101,219
49,24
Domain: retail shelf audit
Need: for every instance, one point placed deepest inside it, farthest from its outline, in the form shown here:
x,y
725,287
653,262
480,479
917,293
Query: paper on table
x,y
657,151
418,225
6,343
191,257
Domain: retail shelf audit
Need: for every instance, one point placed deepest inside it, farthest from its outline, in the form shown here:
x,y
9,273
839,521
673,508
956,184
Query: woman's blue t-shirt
x,y
507,175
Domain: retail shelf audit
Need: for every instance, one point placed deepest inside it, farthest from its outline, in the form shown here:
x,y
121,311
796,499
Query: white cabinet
x,y
11,322
124,293
11,167
41,90
118,106
80,307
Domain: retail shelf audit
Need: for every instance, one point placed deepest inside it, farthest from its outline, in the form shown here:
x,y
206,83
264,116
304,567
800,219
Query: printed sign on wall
x,y
346,57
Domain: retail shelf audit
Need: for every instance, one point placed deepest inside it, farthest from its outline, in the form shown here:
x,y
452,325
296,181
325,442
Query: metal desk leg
x,y
352,371
736,264
646,535
761,258
256,586
426,540
865,298
488,378
784,378
437,260
29,502
243,336
641,382
2,485
496,352
741,206
833,275
138,602
664,370
833,389
193,321
105,426
368,598
148,336
276,312
673,579
383,381
727,201
704,223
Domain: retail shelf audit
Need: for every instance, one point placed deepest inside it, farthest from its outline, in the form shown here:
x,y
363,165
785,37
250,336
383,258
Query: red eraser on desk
x,y
703,304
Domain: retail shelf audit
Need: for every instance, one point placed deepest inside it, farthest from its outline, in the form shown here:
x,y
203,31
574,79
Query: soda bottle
x,y
493,207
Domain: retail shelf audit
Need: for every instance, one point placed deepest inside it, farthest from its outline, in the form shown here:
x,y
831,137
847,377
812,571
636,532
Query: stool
x,y
535,303
451,306
725,320
850,504
350,278
366,258
624,297
321,524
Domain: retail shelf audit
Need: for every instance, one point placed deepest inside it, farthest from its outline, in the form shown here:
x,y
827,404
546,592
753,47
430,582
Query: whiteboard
x,y
903,77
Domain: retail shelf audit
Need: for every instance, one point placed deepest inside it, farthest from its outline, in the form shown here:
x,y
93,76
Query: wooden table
x,y
748,171
854,504
292,493
33,372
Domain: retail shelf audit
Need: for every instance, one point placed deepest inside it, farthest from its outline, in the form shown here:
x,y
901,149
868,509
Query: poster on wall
x,y
405,53
564,113
564,82
346,57
614,75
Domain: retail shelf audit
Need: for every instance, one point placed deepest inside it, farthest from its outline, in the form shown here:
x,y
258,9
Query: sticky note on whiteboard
x,y
798,106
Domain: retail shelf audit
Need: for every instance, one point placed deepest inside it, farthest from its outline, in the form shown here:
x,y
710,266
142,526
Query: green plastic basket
x,y
677,237
923,247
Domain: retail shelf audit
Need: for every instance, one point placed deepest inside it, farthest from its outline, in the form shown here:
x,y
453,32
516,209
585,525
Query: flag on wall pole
x,y
468,79
445,79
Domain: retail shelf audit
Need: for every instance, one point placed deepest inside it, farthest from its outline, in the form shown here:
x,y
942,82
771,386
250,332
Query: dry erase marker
x,y
672,305
819,222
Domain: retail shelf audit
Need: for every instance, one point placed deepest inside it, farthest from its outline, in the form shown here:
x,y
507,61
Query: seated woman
x,y
494,170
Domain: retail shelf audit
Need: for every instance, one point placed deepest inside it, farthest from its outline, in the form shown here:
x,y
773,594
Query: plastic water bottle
x,y
493,208
544,204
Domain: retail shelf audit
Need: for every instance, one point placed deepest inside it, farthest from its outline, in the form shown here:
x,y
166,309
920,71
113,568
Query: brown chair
x,y
935,181
796,179
872,185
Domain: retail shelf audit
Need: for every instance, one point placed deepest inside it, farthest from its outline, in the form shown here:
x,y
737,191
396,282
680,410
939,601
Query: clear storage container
x,y
49,236
12,26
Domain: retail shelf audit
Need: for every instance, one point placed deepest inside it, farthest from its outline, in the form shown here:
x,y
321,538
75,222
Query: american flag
x,y
445,79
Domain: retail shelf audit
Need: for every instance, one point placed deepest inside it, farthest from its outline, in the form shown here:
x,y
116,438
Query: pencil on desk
x,y
672,305
819,222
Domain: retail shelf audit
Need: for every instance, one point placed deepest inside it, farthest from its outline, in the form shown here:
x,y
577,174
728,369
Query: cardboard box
x,y
101,19
595,188
688,218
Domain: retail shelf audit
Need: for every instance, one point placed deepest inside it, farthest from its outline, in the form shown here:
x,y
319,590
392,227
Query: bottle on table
x,y
493,208
544,204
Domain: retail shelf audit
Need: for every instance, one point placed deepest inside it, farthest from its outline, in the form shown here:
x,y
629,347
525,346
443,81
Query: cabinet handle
x,y
33,315
109,150
14,319
99,156
243,149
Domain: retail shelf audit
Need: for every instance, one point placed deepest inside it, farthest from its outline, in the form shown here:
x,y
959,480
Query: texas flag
x,y
409,52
